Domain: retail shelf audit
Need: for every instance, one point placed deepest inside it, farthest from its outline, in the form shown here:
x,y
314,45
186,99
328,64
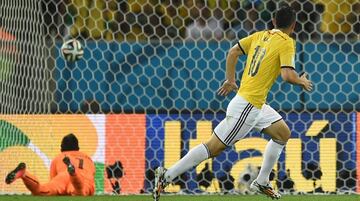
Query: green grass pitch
x,y
186,198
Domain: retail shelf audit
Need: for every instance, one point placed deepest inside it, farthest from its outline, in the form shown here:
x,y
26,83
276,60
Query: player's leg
x,y
34,186
57,185
80,187
272,124
76,179
280,134
15,174
230,130
32,183
194,157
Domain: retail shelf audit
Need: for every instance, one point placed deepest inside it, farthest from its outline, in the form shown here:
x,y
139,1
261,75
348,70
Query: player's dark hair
x,y
69,143
285,17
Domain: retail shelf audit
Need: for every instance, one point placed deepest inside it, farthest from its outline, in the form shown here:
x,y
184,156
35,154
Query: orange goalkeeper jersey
x,y
82,162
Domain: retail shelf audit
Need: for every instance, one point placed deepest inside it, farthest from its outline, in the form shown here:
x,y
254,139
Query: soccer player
x,y
71,173
269,54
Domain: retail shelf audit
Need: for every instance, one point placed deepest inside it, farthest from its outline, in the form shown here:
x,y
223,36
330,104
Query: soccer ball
x,y
72,50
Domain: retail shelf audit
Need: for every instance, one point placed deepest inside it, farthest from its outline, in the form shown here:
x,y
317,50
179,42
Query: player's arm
x,y
231,61
289,74
287,63
241,48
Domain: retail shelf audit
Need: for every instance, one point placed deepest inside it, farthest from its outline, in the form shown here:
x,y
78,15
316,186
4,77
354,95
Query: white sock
x,y
271,156
193,158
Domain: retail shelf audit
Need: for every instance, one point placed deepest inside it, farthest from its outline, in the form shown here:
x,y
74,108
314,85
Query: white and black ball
x,y
72,50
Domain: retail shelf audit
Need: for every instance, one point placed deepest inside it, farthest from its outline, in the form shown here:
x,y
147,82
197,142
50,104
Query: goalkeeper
x,y
71,173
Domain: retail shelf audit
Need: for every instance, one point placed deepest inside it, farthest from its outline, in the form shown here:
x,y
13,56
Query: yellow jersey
x,y
267,52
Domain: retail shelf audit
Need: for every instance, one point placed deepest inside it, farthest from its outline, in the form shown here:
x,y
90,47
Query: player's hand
x,y
306,84
227,87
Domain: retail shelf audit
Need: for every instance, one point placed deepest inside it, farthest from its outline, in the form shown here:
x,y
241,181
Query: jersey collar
x,y
282,34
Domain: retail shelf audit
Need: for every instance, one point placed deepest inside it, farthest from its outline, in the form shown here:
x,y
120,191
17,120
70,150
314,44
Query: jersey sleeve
x,y
245,43
287,55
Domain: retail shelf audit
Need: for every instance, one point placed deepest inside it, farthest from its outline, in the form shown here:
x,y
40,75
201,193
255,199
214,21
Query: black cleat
x,y
70,166
17,173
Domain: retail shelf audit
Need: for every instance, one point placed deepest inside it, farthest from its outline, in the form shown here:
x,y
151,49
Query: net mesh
x,y
145,91
24,73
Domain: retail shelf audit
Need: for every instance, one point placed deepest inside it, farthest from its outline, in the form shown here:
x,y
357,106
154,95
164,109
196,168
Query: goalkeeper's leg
x,y
80,187
57,186
30,181
15,174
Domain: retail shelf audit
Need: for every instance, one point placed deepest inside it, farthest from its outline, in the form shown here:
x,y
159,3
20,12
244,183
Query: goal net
x,y
145,92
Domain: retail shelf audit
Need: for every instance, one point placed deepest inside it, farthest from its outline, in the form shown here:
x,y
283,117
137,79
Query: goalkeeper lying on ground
x,y
71,173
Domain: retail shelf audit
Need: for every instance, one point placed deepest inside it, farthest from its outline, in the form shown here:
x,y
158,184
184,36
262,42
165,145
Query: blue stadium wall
x,y
146,77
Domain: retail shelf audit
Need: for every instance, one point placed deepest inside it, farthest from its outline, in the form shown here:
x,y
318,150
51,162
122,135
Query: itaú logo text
x,y
293,153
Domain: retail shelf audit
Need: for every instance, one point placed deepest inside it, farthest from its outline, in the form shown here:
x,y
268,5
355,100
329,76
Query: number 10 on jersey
x,y
256,60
